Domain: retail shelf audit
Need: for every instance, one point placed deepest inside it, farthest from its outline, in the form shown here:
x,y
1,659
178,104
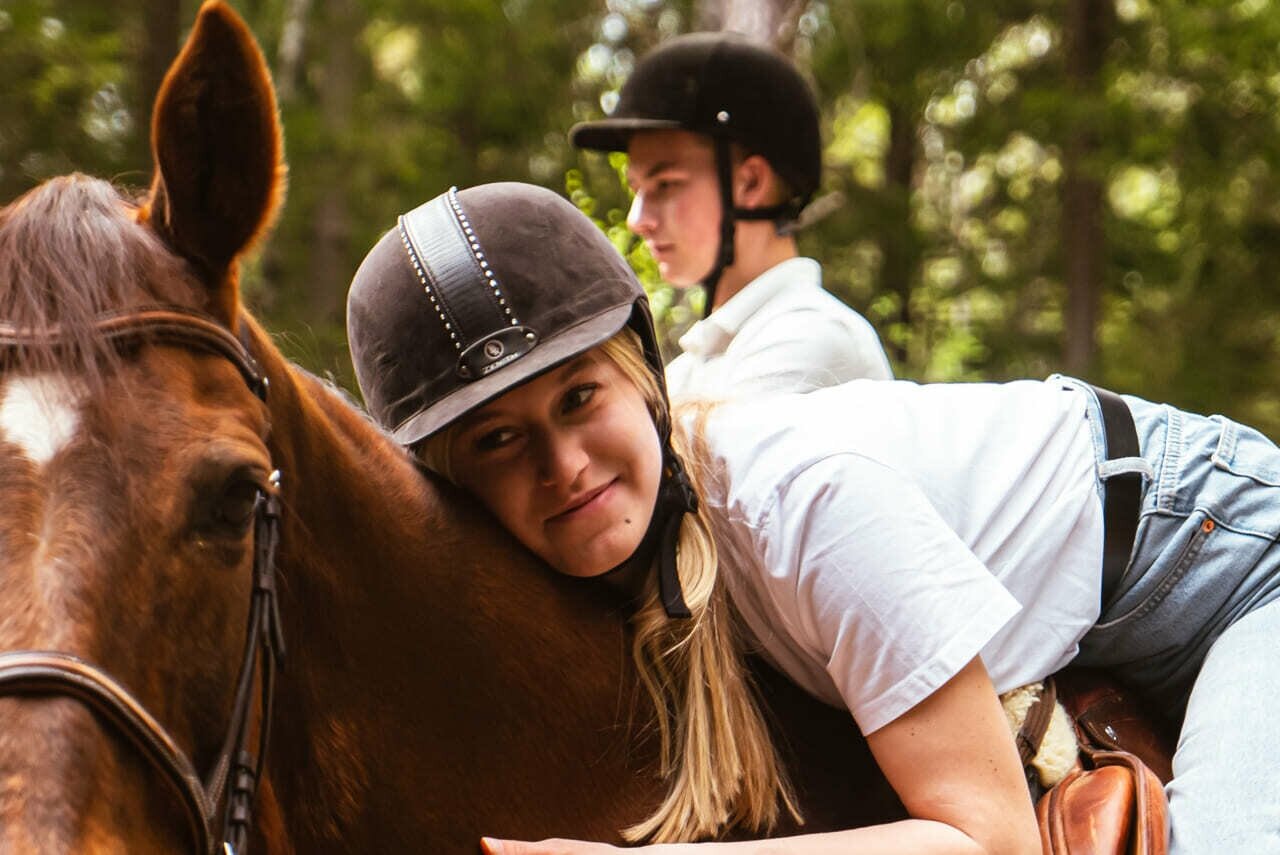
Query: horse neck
x,y
336,465
414,626
356,514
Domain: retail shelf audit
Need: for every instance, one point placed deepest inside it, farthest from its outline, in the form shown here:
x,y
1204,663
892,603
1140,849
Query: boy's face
x,y
677,203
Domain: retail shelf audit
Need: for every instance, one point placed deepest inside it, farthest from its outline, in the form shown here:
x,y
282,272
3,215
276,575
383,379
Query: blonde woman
x,y
902,551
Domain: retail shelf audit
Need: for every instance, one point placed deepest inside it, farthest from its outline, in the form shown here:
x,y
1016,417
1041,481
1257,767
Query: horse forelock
x,y
71,250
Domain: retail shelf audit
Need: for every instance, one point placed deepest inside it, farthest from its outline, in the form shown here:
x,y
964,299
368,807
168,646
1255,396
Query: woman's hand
x,y
555,846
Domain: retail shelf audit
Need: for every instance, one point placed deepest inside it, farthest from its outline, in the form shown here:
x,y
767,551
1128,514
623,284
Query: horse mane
x,y
71,250
328,385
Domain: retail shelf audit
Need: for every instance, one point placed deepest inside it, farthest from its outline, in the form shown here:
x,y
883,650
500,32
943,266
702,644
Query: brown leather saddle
x,y
1113,802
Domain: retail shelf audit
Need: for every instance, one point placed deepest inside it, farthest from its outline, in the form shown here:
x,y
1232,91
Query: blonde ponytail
x,y
716,751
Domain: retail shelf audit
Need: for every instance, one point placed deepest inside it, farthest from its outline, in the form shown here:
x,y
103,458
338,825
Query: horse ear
x,y
216,139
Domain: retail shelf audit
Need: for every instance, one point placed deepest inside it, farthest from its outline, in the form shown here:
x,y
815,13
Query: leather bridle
x,y
227,790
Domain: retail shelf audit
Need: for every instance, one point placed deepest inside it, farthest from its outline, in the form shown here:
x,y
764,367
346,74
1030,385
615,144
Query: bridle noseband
x,y
229,787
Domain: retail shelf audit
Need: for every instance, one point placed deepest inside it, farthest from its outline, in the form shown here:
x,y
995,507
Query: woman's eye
x,y
494,439
577,397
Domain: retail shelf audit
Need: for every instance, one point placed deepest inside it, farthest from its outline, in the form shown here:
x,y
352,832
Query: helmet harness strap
x,y
729,217
660,544
724,253
676,498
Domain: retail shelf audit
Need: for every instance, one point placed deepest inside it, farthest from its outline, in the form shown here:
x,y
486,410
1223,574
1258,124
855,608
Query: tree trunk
x,y
1083,242
158,32
770,22
330,222
898,257
289,54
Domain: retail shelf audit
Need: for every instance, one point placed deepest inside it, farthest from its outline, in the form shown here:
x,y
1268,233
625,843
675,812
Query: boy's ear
x,y
754,183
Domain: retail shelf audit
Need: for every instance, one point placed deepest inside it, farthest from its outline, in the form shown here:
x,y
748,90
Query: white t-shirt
x,y
781,333
877,536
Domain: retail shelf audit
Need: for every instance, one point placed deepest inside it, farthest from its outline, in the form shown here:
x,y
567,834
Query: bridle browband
x,y
229,787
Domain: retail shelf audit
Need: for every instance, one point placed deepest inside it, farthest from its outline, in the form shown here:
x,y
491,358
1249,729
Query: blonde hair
x,y
717,756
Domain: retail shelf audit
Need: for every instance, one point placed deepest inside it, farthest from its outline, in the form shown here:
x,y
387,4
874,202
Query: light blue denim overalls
x,y
1194,620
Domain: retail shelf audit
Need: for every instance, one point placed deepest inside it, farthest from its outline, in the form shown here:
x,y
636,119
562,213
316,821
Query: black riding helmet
x,y
481,290
734,91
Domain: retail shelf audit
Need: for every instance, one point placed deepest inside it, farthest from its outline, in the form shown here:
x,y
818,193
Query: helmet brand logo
x,y
489,369
498,348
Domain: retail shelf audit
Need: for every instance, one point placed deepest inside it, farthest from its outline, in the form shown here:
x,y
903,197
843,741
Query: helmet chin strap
x,y
629,577
728,222
729,217
677,497
659,544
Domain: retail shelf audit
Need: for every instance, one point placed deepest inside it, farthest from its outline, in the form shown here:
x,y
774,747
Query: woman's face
x,y
568,462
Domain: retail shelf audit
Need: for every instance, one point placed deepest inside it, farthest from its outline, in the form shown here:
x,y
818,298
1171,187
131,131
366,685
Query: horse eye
x,y
236,505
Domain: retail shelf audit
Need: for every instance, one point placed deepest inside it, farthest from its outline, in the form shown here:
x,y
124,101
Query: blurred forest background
x,y
1015,187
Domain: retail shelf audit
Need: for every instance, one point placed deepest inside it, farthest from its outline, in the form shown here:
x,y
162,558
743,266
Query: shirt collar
x,y
712,335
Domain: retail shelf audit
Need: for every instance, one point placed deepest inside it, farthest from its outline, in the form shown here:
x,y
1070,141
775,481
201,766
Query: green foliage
x,y
61,105
949,127
441,93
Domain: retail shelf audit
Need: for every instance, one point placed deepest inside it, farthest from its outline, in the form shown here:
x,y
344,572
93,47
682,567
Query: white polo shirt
x,y
877,536
781,333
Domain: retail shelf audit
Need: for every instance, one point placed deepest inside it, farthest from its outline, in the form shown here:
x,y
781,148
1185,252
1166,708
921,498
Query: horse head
x,y
133,466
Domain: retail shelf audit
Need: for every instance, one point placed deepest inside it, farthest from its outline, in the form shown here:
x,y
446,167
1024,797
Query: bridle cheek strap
x,y
237,772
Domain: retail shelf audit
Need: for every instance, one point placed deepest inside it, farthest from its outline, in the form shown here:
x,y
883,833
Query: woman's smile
x,y
585,504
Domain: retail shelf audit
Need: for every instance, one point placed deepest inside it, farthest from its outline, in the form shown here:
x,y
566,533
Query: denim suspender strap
x,y
1122,492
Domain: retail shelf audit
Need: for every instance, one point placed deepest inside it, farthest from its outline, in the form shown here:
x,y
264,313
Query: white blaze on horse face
x,y
39,414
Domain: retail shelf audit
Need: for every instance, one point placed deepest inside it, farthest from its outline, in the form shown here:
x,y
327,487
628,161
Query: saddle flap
x,y
1110,718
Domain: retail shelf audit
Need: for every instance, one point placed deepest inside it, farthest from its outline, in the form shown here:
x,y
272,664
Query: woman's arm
x,y
951,760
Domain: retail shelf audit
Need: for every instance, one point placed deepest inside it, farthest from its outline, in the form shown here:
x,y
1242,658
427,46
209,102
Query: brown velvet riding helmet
x,y
481,290
722,85
478,291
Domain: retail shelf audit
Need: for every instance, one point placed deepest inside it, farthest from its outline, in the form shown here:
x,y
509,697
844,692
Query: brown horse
x,y
439,683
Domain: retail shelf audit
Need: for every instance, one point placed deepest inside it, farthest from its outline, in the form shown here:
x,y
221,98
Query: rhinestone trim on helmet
x,y
482,263
426,286
474,243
